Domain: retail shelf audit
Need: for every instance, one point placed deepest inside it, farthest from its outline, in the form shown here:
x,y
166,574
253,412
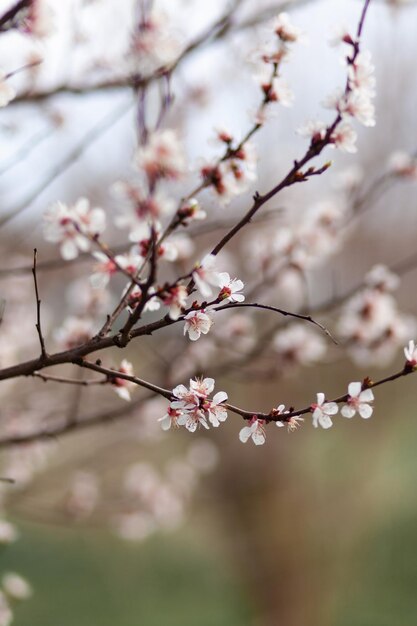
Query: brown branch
x,y
296,175
266,307
38,308
9,19
69,381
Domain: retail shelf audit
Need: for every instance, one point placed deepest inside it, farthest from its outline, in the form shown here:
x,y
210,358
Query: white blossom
x,y
323,411
121,385
162,156
230,288
344,138
215,410
153,45
8,532
206,276
410,353
16,587
285,30
255,431
196,324
73,226
403,164
176,300
358,401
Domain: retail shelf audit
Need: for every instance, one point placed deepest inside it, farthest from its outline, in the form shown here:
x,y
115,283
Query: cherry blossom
x,y
344,138
206,276
121,385
107,267
8,532
191,211
275,89
176,299
196,324
323,411
256,432
286,31
7,93
192,406
299,345
153,45
161,157
192,418
233,175
361,74
73,226
292,423
16,587
74,332
170,418
403,165
39,21
216,411
315,129
410,353
358,401
381,277
6,615
340,34
202,387
230,288
140,208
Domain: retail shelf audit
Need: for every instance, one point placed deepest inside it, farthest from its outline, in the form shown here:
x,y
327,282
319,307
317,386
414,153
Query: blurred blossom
x,y
16,587
83,494
153,45
299,345
8,532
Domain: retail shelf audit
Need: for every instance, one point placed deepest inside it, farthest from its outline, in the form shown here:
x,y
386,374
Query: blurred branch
x,y
215,32
10,18
71,158
82,423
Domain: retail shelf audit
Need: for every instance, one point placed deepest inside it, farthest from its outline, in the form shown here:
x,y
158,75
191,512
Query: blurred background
x,y
120,522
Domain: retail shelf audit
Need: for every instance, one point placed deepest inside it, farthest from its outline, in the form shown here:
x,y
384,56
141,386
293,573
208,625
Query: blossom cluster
x,y
192,407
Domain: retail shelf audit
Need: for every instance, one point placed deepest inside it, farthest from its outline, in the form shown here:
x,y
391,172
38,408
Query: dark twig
x,y
38,308
265,307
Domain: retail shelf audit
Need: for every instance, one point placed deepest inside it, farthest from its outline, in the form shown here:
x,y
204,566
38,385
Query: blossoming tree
x,y
178,271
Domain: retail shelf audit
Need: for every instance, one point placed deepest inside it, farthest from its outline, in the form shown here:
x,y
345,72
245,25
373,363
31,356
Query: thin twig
x,y
38,308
